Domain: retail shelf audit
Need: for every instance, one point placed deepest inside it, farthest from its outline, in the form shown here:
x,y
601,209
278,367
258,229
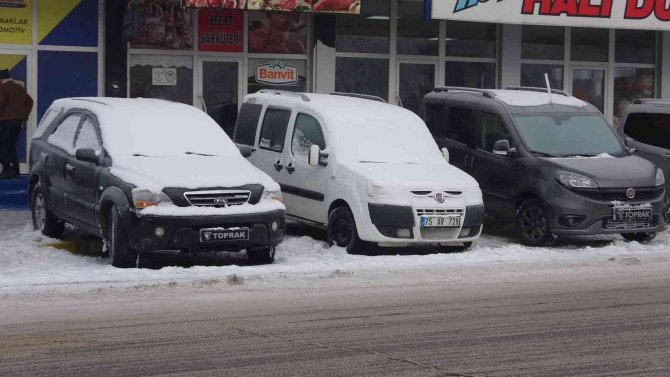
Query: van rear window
x,y
648,128
247,121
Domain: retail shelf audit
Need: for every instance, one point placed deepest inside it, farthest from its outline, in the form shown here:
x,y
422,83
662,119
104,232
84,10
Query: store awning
x,y
614,14
311,6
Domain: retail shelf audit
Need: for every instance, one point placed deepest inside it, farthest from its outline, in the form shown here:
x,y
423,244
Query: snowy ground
x,y
31,264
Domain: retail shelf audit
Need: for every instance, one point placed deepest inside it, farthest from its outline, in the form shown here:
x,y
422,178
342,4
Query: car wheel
x,y
121,255
43,219
456,249
638,237
532,225
342,231
262,256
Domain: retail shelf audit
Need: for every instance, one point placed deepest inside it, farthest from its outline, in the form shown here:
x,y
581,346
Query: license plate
x,y
221,234
448,221
632,214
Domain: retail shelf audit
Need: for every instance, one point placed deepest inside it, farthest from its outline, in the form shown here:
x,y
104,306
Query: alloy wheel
x,y
40,211
533,223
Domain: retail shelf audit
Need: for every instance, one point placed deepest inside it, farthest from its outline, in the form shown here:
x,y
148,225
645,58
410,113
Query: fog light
x,y
159,231
570,220
274,226
404,233
465,232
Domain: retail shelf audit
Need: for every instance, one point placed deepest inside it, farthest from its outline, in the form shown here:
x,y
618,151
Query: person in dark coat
x,y
15,106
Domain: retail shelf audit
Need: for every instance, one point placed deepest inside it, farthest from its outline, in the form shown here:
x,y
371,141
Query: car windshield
x,y
568,135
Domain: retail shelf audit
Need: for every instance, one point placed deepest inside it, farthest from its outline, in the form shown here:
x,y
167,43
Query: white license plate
x,y
447,221
632,213
219,235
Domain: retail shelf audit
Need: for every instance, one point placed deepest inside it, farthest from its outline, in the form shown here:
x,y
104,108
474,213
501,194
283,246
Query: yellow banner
x,y
16,24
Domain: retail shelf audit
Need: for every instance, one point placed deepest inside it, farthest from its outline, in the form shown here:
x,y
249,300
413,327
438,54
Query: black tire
x,y
121,255
342,231
456,249
43,219
262,256
639,237
532,225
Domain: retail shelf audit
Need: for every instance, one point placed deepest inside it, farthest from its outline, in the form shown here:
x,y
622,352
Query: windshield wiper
x,y
199,154
583,155
139,155
545,154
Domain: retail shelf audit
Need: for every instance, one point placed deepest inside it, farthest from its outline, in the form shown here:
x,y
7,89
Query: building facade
x,y
395,49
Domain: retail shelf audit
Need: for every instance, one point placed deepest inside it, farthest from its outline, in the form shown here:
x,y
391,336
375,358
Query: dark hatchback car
x,y
150,176
550,163
645,124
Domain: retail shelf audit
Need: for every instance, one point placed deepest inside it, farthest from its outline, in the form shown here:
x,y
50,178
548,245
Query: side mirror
x,y
87,155
316,157
502,148
630,144
245,150
445,154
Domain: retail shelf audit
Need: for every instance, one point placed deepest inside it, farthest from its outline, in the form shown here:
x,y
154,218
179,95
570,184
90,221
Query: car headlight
x,y
574,180
273,195
660,177
145,198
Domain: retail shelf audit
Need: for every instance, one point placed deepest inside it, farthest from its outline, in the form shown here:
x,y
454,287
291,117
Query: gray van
x,y
548,162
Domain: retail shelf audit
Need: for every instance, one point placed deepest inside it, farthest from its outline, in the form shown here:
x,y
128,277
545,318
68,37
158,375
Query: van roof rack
x,y
359,95
89,100
303,96
539,90
485,92
640,101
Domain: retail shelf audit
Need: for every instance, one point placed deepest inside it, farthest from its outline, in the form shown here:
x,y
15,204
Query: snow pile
x,y
527,98
172,210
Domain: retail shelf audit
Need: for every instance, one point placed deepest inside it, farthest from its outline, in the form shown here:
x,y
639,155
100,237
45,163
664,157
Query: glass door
x,y
415,80
589,84
18,65
221,91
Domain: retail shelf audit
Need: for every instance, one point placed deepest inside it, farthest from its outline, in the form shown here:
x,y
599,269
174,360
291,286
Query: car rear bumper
x,y
182,233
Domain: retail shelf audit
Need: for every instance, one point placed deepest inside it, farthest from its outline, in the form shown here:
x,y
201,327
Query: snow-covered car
x,y
150,176
367,171
547,162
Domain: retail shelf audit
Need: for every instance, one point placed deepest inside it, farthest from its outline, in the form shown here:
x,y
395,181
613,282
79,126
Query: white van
x,y
367,171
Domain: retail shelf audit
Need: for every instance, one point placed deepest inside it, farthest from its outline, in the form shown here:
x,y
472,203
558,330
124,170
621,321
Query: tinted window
x,y
433,117
63,135
651,129
273,131
491,129
87,138
247,121
307,132
460,125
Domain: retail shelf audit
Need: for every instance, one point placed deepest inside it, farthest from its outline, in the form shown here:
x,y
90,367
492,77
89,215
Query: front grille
x,y
439,233
619,195
217,198
432,194
438,211
625,225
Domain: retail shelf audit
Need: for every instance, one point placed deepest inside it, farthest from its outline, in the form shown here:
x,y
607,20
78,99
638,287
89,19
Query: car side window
x,y
63,135
491,129
307,132
247,121
273,130
648,128
88,138
460,125
433,117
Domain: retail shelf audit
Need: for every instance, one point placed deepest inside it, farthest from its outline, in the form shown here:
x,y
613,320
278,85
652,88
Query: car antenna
x,y
546,80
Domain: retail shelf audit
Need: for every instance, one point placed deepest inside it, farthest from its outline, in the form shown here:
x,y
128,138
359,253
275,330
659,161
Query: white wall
x,y
323,67
510,56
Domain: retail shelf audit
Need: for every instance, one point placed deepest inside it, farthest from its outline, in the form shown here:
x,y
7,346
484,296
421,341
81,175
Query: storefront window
x,y
631,84
635,46
367,32
470,74
416,36
542,42
288,74
471,39
533,75
159,24
361,75
162,76
278,32
589,44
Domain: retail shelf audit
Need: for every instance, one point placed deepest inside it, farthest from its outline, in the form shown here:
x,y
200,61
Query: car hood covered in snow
x,y
156,173
609,172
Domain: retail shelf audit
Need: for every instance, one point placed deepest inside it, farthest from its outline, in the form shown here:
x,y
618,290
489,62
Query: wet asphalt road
x,y
614,324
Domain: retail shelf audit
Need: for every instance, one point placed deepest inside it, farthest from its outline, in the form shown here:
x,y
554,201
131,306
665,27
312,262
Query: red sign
x,y
229,4
220,30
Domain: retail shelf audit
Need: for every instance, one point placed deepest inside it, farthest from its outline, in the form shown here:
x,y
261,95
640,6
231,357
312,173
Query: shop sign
x,y
276,72
227,4
12,3
16,22
615,14
315,6
164,76
220,30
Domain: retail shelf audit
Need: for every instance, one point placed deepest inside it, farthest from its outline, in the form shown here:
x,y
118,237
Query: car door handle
x,y
69,169
44,156
278,166
290,168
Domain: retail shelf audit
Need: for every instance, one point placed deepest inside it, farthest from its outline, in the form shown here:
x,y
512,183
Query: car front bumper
x,y
182,233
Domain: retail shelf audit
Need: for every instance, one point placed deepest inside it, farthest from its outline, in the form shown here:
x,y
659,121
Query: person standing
x,y
15,106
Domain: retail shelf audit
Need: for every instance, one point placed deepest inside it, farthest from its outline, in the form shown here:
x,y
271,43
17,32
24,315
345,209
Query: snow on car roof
x,y
524,98
153,127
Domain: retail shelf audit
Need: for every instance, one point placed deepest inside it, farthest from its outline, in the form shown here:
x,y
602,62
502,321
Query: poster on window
x,y
278,74
317,6
13,3
158,24
16,22
227,4
220,30
277,33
